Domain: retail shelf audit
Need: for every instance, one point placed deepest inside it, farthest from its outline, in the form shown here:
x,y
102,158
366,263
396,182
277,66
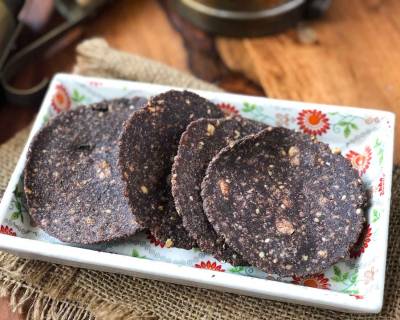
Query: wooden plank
x,y
140,27
354,62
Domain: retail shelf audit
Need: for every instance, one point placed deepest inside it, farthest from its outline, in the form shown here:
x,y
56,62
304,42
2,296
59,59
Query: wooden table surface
x,y
351,57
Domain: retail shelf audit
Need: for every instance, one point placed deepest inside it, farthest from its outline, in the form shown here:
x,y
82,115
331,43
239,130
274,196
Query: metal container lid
x,y
248,18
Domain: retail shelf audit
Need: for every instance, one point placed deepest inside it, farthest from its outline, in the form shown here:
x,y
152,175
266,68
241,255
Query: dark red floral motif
x,y
209,266
315,281
154,240
228,108
61,100
7,230
362,243
360,161
313,122
381,185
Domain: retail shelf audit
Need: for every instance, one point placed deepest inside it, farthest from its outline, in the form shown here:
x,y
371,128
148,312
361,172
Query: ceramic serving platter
x,y
364,136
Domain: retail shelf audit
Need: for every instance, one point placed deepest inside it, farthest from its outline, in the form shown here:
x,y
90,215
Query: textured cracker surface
x,y
147,148
201,141
285,202
72,182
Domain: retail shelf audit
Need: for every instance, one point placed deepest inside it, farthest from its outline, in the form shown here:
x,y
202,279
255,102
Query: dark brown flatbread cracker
x,y
201,141
148,145
72,182
285,202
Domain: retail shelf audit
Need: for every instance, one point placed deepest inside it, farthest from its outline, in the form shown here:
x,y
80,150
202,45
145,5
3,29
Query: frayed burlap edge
x,y
49,291
96,58
37,305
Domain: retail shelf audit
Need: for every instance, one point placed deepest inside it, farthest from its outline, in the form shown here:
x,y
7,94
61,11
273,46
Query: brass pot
x,y
247,18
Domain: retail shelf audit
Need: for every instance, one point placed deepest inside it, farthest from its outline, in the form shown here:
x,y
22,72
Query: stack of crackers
x,y
247,193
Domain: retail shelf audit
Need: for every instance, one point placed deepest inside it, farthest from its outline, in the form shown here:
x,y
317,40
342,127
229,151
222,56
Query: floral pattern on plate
x,y
316,281
313,122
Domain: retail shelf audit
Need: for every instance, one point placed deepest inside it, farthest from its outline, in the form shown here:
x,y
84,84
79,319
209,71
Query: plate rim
x,y
191,276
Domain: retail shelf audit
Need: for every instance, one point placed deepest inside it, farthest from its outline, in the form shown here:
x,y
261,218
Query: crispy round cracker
x,y
201,141
72,183
148,145
285,202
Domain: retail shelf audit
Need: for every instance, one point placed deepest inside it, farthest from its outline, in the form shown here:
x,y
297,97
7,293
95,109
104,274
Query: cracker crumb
x,y
294,155
103,170
322,253
224,187
144,189
284,226
89,220
169,243
293,151
210,129
323,200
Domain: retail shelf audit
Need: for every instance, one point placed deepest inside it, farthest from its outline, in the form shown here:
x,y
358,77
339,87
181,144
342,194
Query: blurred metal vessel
x,y
251,17
13,59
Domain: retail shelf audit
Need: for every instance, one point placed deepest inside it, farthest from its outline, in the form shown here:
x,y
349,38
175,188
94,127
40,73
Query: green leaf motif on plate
x,y
18,203
257,113
46,118
348,279
379,149
15,215
346,125
249,107
135,254
237,269
77,97
376,214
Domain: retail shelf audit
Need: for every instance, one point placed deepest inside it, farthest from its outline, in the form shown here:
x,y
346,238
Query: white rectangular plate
x,y
364,136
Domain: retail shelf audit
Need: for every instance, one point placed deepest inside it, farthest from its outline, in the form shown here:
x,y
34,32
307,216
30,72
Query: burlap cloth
x,y
50,291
